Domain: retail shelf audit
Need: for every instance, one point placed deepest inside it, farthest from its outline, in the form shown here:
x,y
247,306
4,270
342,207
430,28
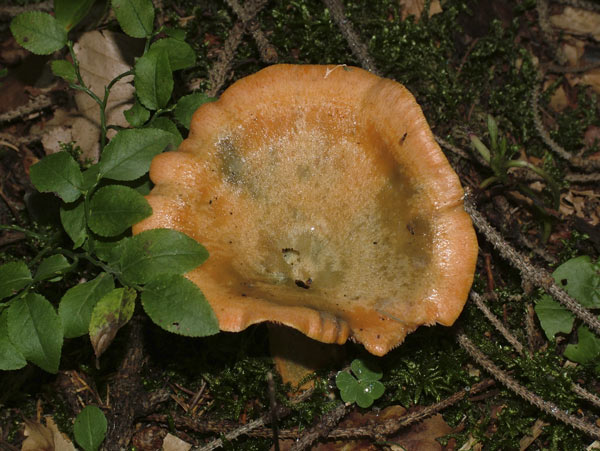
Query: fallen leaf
x,y
423,436
45,438
172,443
578,22
536,431
102,56
416,7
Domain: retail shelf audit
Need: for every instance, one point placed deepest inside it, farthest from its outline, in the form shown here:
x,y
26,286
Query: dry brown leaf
x,y
578,21
423,436
102,56
172,443
45,438
416,7
536,430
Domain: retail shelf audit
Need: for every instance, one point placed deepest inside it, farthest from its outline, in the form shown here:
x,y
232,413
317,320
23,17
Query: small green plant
x,y
363,387
580,277
499,157
98,206
90,428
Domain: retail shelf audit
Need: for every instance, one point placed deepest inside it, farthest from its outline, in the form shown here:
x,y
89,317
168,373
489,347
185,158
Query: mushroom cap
x,y
325,204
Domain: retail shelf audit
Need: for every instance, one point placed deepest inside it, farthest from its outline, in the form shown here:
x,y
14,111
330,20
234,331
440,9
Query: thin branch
x,y
584,394
537,276
496,322
268,53
358,48
11,11
326,423
584,164
548,407
36,104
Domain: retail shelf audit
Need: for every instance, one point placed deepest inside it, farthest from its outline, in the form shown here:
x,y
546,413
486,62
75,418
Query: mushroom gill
x,y
325,204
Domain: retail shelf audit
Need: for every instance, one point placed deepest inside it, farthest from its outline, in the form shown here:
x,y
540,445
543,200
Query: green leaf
x,y
76,306
554,318
129,153
72,217
587,348
91,176
363,372
10,357
136,17
180,54
90,428
14,276
367,392
110,313
137,115
175,33
108,250
36,331
115,208
64,69
160,251
347,385
58,173
187,106
38,32
153,79
166,124
177,305
70,12
579,277
52,268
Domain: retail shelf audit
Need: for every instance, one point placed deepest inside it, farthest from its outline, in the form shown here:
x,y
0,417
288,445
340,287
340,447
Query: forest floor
x,y
516,371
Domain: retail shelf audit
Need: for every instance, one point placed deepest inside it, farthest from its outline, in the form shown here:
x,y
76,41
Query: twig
x,y
268,53
537,276
496,322
358,48
322,429
582,178
583,393
219,71
584,164
452,148
504,378
389,427
547,32
38,103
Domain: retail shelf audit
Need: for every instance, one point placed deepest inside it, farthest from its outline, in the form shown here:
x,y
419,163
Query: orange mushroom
x,y
325,204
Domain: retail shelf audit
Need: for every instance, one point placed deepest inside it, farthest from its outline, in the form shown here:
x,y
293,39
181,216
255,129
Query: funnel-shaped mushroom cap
x,y
325,204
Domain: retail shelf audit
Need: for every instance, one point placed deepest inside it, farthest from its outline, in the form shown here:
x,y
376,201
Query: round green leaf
x,y
90,428
160,251
36,331
64,69
10,357
38,32
579,277
129,153
587,348
59,173
181,55
153,79
76,306
136,17
177,305
115,208
187,106
363,372
13,277
554,318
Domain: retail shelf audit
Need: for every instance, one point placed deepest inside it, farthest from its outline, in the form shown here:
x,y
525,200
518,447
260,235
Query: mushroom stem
x,y
296,356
